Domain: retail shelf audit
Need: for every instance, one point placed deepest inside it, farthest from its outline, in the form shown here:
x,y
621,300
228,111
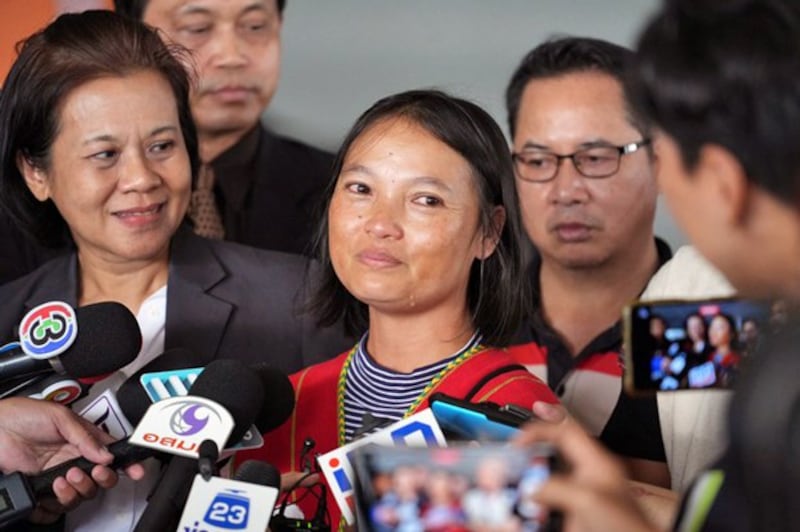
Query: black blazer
x,y
273,200
224,300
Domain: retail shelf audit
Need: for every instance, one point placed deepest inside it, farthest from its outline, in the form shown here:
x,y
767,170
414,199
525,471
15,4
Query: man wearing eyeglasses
x,y
585,173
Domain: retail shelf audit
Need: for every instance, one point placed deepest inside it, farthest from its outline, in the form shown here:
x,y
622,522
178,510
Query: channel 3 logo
x,y
48,330
229,510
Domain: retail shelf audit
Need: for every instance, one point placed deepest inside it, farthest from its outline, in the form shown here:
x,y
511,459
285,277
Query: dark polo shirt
x,y
590,384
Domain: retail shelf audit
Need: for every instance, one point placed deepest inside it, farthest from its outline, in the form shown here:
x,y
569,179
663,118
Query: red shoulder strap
x,y
493,375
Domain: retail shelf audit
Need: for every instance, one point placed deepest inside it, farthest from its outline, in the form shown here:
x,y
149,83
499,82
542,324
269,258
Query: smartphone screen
x,y
488,487
685,345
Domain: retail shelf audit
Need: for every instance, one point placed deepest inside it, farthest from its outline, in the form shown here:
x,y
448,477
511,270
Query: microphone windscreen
x,y
236,387
108,339
208,449
257,472
279,398
132,397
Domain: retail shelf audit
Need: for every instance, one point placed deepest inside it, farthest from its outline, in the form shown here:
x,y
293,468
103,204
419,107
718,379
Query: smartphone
x,y
477,421
683,345
455,488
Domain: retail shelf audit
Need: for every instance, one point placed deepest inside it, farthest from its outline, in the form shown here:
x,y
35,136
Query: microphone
x,y
258,472
243,503
279,403
116,413
236,394
107,338
207,456
237,388
132,397
229,383
133,402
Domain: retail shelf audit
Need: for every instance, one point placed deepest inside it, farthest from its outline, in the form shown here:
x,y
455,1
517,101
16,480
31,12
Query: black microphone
x,y
279,403
258,472
237,388
207,456
108,338
134,402
131,395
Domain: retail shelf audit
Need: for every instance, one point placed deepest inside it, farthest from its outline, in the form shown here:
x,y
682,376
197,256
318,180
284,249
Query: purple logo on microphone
x,y
190,417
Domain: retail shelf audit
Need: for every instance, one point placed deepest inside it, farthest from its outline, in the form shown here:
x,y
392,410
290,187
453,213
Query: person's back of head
x,y
726,73
720,81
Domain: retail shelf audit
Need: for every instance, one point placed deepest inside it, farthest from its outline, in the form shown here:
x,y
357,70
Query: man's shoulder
x,y
687,275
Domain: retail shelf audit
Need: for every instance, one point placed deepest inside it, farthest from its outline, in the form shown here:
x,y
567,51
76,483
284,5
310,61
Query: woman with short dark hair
x,y
98,149
420,247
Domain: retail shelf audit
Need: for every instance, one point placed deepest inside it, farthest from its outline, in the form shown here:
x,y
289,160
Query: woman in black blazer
x,y
99,149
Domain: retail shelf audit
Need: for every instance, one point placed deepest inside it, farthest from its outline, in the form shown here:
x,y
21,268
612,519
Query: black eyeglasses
x,y
595,162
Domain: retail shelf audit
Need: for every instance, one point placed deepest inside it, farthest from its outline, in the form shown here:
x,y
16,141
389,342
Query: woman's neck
x,y
128,282
405,342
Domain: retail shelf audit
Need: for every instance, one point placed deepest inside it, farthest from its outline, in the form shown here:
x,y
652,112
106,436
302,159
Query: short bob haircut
x,y
569,55
135,8
71,51
726,73
496,292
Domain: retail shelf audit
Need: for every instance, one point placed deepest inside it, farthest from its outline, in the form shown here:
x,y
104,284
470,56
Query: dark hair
x,y
764,424
496,295
695,315
726,73
71,51
135,8
568,55
733,339
753,320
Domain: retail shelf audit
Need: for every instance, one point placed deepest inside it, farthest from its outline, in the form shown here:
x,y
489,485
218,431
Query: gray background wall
x,y
339,56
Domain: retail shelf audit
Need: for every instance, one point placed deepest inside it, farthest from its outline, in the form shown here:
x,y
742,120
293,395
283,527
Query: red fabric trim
x,y
315,412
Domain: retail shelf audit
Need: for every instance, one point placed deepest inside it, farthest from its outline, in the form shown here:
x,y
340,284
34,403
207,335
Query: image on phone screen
x,y
693,345
454,489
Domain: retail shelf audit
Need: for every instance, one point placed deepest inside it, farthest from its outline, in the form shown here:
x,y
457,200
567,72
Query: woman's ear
x,y
35,178
727,181
492,237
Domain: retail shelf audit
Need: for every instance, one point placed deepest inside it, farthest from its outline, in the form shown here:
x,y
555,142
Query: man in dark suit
x,y
265,186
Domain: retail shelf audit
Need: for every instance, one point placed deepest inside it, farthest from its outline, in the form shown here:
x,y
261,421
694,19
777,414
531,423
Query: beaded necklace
x,y
340,387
